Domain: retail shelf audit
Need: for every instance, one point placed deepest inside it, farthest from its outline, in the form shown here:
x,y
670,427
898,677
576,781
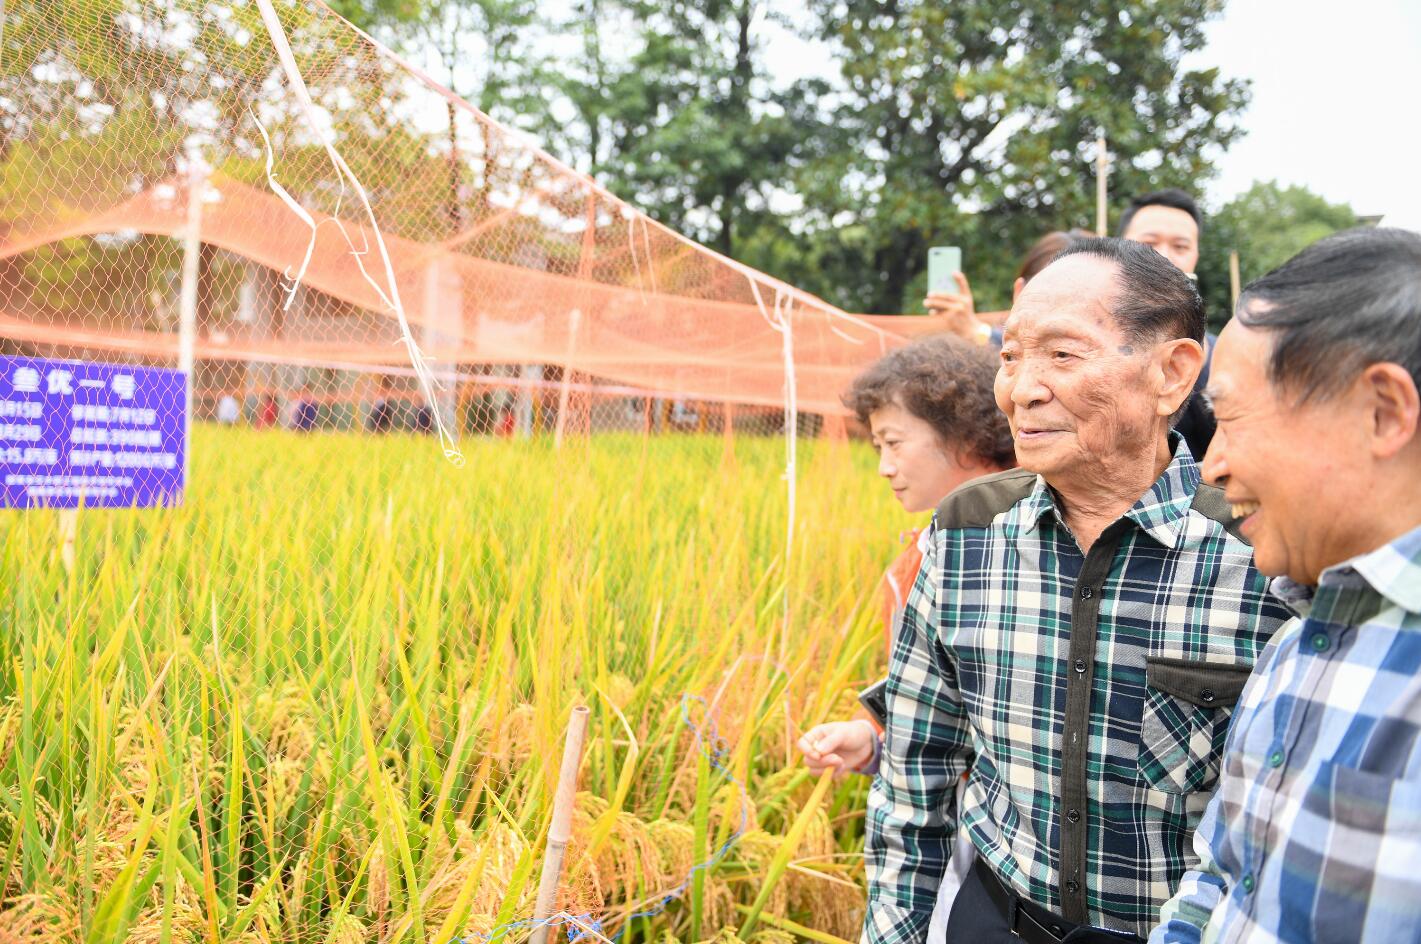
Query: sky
x,y
1336,89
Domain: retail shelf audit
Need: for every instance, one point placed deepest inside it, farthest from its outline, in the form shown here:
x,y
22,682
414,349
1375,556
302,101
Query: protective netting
x,y
317,693
501,254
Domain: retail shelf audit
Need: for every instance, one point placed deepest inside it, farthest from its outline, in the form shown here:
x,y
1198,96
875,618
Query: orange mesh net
x,y
501,254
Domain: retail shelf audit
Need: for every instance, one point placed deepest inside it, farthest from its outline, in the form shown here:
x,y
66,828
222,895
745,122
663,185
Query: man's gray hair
x,y
1342,304
1155,301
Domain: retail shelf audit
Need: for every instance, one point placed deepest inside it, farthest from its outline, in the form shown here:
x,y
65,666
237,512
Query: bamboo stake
x,y
1233,278
561,829
1101,163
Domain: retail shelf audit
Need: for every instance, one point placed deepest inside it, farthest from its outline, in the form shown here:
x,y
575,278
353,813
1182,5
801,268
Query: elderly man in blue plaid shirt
x,y
1077,636
1315,831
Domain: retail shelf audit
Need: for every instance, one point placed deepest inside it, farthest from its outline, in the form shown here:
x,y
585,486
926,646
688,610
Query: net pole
x,y
728,428
560,832
1235,283
187,303
786,316
1101,168
584,273
68,530
565,390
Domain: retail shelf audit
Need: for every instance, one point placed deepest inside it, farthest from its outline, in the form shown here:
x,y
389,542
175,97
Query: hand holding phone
x,y
949,296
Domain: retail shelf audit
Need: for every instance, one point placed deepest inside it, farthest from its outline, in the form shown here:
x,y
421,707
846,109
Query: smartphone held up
x,y
944,262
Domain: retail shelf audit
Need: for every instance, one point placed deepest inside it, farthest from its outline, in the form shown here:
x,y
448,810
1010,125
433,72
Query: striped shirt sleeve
x,y
1184,917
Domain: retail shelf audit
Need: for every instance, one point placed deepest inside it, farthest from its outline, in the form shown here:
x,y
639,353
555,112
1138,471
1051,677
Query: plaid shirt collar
x,y
1351,592
1160,512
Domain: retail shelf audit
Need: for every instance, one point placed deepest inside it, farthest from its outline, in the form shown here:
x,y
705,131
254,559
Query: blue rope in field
x,y
713,746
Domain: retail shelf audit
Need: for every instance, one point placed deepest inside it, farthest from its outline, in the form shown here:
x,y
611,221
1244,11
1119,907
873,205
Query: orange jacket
x,y
897,581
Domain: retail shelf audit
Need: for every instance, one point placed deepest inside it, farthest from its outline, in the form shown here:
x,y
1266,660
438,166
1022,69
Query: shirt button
x,y
1207,695
1073,815
1087,593
1072,888
1080,665
1320,642
1248,883
1276,758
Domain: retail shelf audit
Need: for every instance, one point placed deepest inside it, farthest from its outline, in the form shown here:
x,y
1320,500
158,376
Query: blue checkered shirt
x,y
1315,831
1087,695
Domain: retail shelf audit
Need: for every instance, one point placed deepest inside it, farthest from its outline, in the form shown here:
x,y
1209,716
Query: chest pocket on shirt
x,y
1185,721
1365,830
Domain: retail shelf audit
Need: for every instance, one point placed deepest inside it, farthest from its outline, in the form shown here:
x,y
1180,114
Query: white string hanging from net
x,y
780,319
428,385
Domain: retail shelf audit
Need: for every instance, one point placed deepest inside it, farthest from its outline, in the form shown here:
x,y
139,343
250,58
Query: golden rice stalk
x,y
39,919
9,728
495,852
346,929
783,855
188,926
378,892
772,936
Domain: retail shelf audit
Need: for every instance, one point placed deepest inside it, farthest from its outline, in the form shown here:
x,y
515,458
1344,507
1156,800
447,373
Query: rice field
x,y
324,701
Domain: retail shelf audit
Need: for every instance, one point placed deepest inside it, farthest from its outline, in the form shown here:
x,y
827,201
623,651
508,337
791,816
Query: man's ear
x,y
1389,392
1177,364
1016,288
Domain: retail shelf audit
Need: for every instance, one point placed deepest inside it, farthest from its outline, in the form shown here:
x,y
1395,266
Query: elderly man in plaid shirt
x,y
1315,831
1076,637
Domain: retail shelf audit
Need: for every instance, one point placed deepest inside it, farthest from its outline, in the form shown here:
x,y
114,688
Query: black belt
x,y
1025,918
1031,922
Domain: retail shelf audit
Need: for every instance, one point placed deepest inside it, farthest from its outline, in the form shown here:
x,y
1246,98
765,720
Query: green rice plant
x,y
323,700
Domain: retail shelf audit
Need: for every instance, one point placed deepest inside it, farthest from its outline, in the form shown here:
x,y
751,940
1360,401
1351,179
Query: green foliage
x,y
101,113
684,123
1266,225
375,14
973,124
491,54
968,124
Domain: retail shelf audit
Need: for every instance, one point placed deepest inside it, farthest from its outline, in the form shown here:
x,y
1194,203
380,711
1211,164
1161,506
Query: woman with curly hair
x,y
934,420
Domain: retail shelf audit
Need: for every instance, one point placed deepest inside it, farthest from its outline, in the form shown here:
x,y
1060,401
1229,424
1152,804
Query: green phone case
x,y
943,261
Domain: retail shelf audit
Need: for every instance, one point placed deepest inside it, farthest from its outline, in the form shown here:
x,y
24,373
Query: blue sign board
x,y
79,434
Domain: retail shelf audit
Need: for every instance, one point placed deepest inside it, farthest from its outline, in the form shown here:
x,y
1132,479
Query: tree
x,y
685,125
973,124
377,14
1266,225
102,110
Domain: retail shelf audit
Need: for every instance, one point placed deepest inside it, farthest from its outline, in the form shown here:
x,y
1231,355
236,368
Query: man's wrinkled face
x,y
1291,471
1171,231
1074,388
